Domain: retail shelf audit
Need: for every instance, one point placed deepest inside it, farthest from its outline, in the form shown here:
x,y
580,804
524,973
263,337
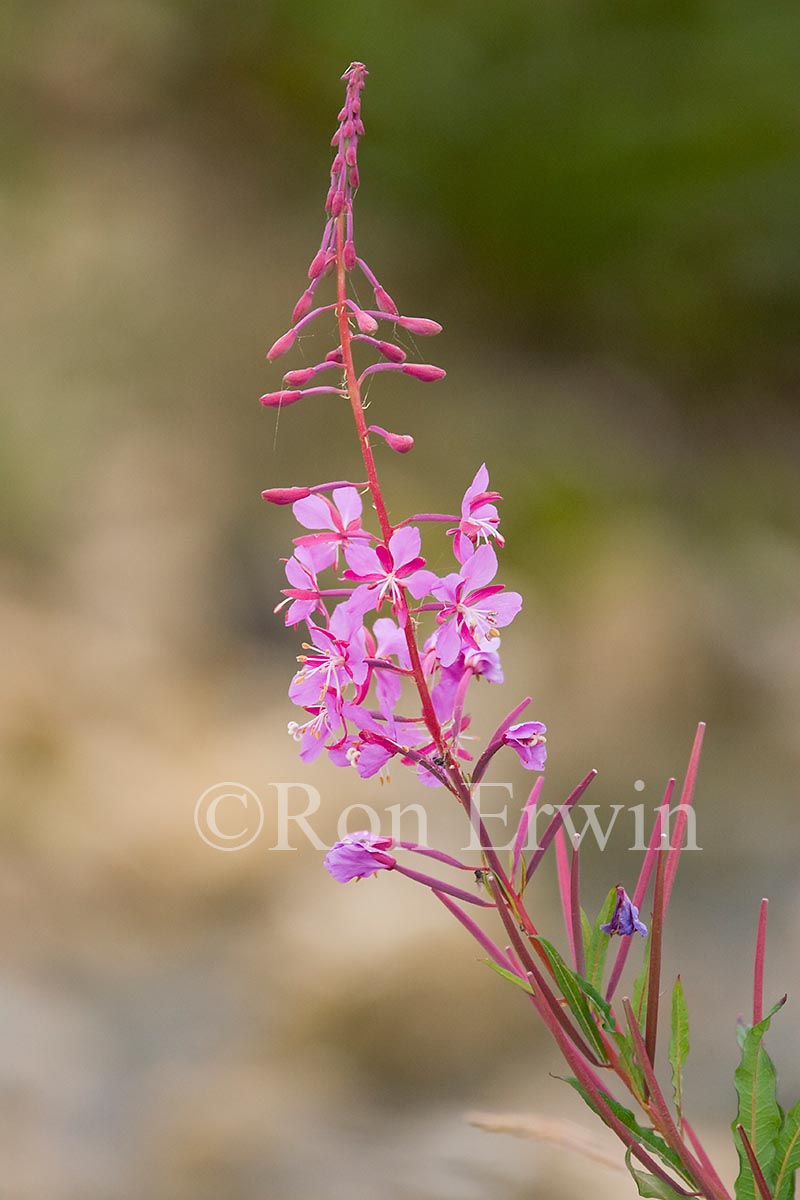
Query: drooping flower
x,y
359,855
472,609
479,517
338,521
625,918
385,571
529,741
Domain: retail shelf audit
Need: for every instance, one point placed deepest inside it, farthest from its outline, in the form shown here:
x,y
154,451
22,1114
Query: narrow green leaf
x,y
758,1112
647,1137
648,1185
639,998
573,993
509,975
597,948
787,1155
678,1043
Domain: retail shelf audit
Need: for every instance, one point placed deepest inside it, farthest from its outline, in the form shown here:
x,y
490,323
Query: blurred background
x,y
598,201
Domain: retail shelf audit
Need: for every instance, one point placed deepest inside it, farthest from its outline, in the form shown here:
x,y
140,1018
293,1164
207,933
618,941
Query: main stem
x,y
354,392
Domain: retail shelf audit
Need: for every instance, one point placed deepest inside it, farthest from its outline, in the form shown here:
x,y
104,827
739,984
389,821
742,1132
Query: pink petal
x,y
314,512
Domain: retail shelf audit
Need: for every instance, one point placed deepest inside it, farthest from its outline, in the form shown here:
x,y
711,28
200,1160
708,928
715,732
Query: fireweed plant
x,y
389,653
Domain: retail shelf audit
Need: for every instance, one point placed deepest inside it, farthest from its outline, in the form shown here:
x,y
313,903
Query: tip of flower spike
x,y
285,495
424,371
399,442
280,399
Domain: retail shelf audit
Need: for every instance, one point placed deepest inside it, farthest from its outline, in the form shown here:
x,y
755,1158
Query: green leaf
x,y
597,948
758,1113
647,1137
572,989
639,999
509,975
678,1043
650,1185
787,1155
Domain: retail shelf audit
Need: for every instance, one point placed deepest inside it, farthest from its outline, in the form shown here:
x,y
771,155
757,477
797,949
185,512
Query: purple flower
x,y
339,522
358,855
529,741
471,610
479,517
387,570
625,918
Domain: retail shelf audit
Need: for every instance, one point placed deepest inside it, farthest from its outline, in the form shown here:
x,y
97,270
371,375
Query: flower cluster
x,y
363,594
357,658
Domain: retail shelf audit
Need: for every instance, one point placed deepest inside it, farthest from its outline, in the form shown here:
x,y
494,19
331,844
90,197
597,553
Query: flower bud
x,y
285,495
280,399
318,264
335,355
349,255
424,371
420,325
365,322
399,442
299,377
303,306
283,344
392,352
385,302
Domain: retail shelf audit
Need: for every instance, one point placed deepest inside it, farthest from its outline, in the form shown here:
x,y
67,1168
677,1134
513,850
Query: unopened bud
x,y
318,264
349,255
280,399
285,495
424,371
400,442
392,352
385,302
282,345
335,355
303,306
365,322
420,325
299,377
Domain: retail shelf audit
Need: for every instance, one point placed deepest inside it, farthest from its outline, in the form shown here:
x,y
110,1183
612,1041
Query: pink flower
x,y
336,662
386,571
472,611
479,517
338,519
359,855
303,596
312,734
529,741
